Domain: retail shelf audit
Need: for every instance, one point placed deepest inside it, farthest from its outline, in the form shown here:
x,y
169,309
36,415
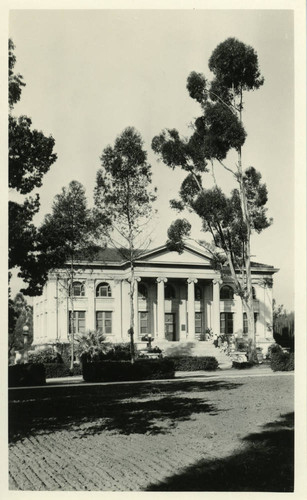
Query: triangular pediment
x,y
188,256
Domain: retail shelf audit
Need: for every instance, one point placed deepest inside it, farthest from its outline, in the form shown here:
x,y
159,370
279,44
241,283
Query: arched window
x,y
78,289
226,293
197,293
254,293
169,292
103,290
142,291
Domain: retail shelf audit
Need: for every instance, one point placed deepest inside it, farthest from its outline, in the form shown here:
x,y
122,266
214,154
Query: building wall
x,y
51,310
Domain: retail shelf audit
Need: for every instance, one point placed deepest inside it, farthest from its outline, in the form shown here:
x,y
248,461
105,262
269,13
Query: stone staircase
x,y
201,348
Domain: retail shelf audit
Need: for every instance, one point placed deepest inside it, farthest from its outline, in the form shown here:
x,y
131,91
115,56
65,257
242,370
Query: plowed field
x,y
217,435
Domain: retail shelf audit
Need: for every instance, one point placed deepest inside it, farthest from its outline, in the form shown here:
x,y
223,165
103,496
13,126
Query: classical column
x,y
191,307
136,308
216,306
161,315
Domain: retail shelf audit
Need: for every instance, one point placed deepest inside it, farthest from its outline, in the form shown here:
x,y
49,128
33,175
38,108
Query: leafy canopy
x,y
218,130
30,157
122,196
67,233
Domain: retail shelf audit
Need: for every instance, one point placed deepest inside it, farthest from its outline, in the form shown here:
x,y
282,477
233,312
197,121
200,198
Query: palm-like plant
x,y
90,346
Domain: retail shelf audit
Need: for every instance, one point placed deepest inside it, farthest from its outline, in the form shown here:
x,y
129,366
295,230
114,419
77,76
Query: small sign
x,y
183,328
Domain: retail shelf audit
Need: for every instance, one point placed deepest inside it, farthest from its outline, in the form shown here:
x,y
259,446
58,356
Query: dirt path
x,y
218,435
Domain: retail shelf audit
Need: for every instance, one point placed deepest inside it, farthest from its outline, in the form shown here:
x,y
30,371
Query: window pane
x,y
81,326
143,322
142,291
230,323
222,325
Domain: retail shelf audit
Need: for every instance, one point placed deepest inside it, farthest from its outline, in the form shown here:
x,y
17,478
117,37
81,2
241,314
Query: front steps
x,y
198,348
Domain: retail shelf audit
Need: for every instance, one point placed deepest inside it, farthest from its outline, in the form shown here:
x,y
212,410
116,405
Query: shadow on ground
x,y
140,408
266,463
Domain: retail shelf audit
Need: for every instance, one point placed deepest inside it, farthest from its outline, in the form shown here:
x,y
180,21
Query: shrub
x,y
123,370
282,361
272,349
193,363
241,344
90,346
47,355
118,352
244,364
54,370
26,375
155,350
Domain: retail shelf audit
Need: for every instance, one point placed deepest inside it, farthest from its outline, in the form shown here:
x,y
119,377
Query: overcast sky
x,y
90,74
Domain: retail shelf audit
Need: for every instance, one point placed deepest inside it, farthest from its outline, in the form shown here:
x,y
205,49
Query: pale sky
x,y
90,74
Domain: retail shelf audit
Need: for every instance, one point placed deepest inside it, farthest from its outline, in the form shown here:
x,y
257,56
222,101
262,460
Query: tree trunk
x,y
131,329
71,296
248,292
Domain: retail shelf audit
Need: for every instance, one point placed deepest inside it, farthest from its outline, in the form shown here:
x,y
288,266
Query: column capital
x,y
136,278
216,281
159,280
192,280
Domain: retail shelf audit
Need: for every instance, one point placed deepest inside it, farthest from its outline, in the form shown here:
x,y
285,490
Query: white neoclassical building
x,y
177,297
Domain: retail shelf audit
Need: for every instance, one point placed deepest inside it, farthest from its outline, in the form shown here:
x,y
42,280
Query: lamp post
x,y
25,343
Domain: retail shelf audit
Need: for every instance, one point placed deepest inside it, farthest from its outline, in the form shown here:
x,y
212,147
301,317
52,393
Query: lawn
x,y
204,435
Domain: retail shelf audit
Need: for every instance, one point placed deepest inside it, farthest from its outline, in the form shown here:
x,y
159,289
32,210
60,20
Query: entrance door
x,y
170,326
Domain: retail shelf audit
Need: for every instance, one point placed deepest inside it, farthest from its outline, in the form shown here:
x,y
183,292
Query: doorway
x,y
170,326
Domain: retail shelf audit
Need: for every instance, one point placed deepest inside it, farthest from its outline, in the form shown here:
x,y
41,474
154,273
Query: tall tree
x,y
21,314
123,198
229,219
65,235
30,157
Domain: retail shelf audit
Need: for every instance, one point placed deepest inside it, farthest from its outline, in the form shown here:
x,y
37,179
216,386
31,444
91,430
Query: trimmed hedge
x,y
46,356
112,371
26,375
54,370
244,364
193,363
282,361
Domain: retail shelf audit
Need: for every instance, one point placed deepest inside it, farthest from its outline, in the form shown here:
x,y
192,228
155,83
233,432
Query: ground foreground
x,y
188,435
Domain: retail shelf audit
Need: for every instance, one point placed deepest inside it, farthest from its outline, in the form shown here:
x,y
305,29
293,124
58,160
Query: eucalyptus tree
x,y
216,132
123,202
65,235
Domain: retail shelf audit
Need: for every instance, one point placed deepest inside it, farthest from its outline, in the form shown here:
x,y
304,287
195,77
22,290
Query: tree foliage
x,y
65,236
20,314
229,219
30,157
123,202
122,197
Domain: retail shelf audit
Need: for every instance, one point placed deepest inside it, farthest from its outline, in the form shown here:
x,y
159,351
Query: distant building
x,y
177,297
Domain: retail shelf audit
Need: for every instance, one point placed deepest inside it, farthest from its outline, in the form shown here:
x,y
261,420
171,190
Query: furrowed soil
x,y
203,435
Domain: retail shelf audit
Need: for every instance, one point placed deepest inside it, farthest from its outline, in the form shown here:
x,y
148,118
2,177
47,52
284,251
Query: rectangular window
x,y
245,322
226,323
104,322
79,322
198,323
143,323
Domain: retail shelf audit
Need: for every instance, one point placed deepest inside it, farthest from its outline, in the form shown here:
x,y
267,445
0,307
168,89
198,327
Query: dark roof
x,y
258,264
105,255
120,256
